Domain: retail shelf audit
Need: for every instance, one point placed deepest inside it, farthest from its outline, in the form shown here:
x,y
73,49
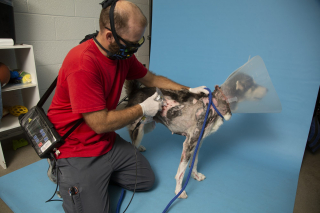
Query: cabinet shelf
x,y
17,57
11,87
18,46
9,122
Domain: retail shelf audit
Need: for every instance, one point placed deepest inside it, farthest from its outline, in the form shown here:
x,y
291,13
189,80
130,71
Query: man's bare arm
x,y
107,121
152,80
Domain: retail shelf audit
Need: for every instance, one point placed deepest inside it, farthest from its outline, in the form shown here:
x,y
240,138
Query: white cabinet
x,y
17,57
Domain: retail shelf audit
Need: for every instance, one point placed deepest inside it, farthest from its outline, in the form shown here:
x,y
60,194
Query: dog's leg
x,y
149,127
136,135
195,174
185,156
194,142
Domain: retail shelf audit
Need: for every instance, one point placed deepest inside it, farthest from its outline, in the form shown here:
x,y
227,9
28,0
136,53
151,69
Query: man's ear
x,y
109,36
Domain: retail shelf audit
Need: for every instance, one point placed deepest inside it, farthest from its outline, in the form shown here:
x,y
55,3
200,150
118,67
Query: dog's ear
x,y
239,86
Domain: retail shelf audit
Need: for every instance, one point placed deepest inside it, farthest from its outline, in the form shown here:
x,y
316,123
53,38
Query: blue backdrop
x,y
254,159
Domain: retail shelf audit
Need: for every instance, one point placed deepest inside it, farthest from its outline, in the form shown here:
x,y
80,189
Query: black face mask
x,y
120,54
125,51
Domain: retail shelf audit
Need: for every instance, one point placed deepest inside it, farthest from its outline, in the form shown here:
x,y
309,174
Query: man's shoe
x,y
52,170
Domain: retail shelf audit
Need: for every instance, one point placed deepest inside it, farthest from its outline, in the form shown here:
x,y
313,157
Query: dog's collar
x,y
226,99
210,101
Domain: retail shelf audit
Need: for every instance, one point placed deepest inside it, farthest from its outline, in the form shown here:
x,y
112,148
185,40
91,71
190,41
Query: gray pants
x,y
88,178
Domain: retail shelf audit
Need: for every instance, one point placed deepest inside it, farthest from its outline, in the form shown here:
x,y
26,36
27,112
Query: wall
x,y
54,27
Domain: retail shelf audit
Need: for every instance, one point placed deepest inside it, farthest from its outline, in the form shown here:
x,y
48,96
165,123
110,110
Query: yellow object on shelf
x,y
26,77
18,110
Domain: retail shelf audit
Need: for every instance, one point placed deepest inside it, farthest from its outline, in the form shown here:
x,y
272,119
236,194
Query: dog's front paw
x,y
182,195
198,176
141,148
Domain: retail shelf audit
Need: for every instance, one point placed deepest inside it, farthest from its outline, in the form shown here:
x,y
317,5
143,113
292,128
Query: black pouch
x,y
39,131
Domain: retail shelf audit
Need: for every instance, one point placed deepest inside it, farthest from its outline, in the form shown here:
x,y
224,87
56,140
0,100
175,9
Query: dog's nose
x,y
227,116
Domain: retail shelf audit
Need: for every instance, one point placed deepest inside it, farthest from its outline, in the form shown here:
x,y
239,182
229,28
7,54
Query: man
x,y
89,86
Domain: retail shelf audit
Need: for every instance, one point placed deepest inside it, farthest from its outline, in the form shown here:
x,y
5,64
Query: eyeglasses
x,y
130,46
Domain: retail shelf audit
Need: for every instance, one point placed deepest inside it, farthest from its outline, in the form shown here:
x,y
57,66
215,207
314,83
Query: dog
x,y
183,113
241,87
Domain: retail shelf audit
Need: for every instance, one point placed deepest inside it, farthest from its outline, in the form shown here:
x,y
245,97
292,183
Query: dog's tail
x,y
131,87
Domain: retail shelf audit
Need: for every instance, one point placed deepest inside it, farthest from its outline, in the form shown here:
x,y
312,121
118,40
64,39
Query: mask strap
x,y
106,3
112,3
113,30
108,52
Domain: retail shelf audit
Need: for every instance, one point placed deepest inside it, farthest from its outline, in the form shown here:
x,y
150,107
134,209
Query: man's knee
x,y
151,180
145,182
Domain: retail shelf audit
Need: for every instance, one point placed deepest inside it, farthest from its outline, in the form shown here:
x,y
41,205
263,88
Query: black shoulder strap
x,y
46,95
44,98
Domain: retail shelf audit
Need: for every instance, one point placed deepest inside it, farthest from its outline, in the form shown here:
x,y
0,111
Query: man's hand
x,y
198,90
150,107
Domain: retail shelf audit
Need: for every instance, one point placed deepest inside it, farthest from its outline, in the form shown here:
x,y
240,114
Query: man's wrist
x,y
142,108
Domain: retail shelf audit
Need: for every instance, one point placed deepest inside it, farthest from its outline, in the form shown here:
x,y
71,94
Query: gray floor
x,y
307,197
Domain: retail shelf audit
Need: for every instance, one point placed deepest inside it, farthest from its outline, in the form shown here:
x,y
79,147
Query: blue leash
x,y
196,150
193,159
120,201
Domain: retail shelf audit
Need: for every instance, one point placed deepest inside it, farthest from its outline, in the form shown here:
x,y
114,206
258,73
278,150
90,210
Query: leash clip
x,y
57,152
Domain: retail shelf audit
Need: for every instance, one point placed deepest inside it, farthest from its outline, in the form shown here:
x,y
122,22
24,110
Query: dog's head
x,y
241,87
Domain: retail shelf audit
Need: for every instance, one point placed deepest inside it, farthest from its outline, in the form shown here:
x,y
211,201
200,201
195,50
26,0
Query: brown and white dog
x,y
183,113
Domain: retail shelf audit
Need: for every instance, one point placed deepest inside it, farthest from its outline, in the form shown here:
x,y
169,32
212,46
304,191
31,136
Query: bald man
x,y
89,86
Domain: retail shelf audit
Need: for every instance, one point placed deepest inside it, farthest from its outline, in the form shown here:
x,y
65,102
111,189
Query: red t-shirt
x,y
88,81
